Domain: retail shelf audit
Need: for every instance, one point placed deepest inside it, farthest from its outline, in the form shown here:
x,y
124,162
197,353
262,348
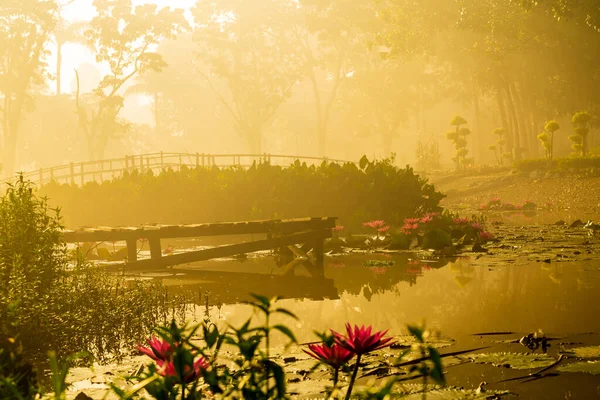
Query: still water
x,y
455,297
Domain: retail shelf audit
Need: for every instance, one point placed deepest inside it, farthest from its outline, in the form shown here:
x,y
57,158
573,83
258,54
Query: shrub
x,y
49,301
373,190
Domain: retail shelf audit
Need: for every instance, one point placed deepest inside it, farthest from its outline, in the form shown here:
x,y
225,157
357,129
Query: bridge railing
x,y
79,173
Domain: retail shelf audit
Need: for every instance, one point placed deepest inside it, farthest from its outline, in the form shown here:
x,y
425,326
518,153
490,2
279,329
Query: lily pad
x,y
378,263
513,360
457,394
408,341
585,352
589,367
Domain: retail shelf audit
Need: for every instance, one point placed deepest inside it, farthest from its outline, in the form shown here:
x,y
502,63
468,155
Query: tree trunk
x,y
505,122
477,139
58,68
517,131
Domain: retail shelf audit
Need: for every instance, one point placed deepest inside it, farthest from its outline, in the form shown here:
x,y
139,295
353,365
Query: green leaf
x,y
261,299
513,360
286,312
585,352
589,367
286,331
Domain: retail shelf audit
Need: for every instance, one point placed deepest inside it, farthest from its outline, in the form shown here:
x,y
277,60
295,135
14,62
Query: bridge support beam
x,y
131,250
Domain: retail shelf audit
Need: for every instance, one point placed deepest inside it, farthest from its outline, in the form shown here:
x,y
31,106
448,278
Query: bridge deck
x,y
280,234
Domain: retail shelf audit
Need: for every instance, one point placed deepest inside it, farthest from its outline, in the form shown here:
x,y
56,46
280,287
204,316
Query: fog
x,y
324,78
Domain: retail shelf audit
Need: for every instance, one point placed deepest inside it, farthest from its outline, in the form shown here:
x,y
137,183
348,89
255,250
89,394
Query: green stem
x,y
354,373
336,372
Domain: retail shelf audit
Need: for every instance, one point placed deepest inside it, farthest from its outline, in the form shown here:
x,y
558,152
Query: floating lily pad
x,y
378,263
513,360
585,352
457,394
589,367
408,341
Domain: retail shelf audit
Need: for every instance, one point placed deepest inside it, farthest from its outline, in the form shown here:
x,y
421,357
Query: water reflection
x,y
456,297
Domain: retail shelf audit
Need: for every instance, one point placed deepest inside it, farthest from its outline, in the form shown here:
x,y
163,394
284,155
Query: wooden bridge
x,y
296,238
88,171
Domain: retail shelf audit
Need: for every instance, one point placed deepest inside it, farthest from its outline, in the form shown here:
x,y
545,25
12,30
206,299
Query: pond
x,y
472,304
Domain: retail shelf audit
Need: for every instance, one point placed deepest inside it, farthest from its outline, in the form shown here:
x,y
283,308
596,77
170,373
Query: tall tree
x,y
64,33
333,36
25,29
251,47
124,37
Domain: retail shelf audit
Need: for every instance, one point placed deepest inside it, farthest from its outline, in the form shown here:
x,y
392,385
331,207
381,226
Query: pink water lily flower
x,y
361,341
337,228
411,221
335,356
485,236
383,229
461,221
159,350
374,224
167,368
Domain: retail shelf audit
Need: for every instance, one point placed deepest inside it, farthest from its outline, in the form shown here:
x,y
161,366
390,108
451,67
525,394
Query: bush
x,y
375,190
561,164
49,301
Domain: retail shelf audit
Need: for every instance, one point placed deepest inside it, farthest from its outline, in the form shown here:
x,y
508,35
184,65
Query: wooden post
x,y
72,174
41,176
213,161
51,174
239,161
234,160
101,171
126,163
318,251
131,250
148,168
132,163
180,162
203,159
155,251
82,174
197,160
161,160
141,164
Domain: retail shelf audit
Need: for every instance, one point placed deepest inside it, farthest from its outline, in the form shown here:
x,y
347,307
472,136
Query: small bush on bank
x,y
49,301
373,190
559,164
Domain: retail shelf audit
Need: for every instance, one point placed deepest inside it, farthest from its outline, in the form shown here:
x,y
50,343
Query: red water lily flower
x,y
189,374
335,356
360,340
374,224
159,350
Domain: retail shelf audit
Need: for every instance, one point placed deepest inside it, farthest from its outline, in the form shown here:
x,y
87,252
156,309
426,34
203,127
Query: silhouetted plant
x,y
498,148
459,138
49,301
547,137
581,130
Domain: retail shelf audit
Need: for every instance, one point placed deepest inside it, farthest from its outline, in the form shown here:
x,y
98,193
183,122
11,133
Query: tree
x,y
250,46
124,37
459,138
333,36
63,34
547,137
581,128
25,29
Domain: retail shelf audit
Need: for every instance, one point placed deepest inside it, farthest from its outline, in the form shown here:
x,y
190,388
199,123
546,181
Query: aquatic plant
x,y
331,354
50,301
581,130
360,341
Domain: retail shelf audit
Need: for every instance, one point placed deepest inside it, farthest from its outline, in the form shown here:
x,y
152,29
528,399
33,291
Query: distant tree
x,y
252,47
64,33
124,37
581,130
547,137
333,36
498,148
459,138
25,28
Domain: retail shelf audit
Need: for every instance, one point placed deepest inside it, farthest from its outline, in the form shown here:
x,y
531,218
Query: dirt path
x,y
571,195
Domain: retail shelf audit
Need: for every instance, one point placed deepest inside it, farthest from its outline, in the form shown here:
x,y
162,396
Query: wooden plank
x,y
231,250
155,250
214,229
